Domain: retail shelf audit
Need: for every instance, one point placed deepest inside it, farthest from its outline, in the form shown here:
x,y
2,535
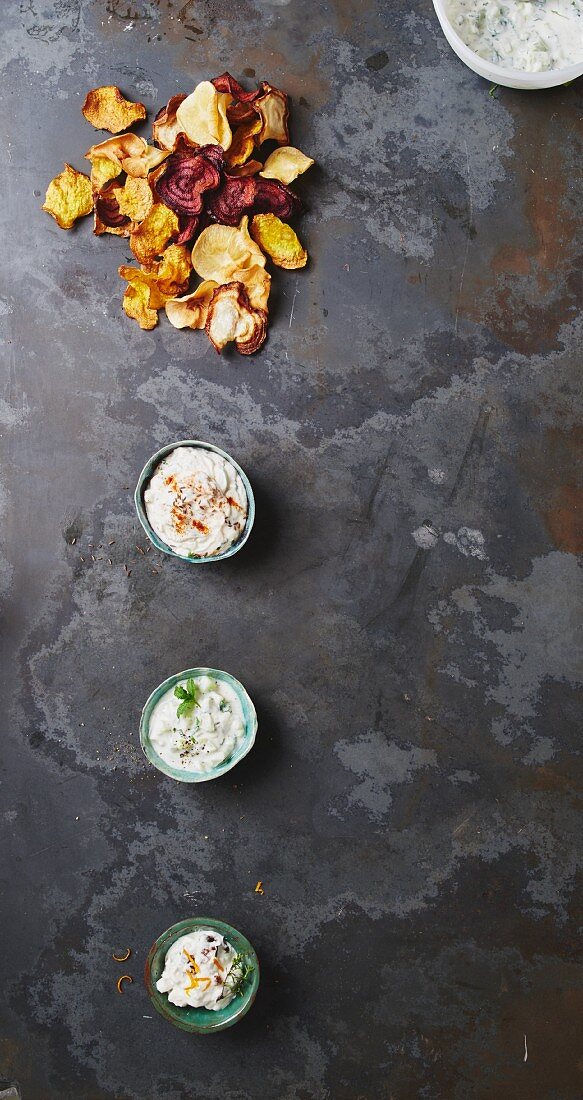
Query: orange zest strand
x,y
122,958
124,978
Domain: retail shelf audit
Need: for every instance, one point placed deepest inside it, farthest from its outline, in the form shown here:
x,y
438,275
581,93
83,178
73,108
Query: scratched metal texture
x,y
405,615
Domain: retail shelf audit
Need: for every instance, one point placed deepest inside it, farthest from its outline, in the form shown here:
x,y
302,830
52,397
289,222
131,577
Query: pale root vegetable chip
x,y
165,127
106,109
115,150
232,317
220,250
279,241
69,196
285,164
191,310
140,165
202,116
257,283
151,237
274,111
135,198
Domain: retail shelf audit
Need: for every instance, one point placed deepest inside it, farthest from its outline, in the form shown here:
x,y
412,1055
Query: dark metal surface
x,y
405,614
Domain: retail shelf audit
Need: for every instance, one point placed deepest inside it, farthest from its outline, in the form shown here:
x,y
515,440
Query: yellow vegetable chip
x,y
136,304
203,116
135,198
69,196
151,237
153,288
232,317
274,111
223,249
191,311
279,241
285,164
106,109
102,170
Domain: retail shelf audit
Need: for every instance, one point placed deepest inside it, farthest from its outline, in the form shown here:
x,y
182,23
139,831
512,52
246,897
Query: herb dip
x,y
195,969
530,35
196,502
198,724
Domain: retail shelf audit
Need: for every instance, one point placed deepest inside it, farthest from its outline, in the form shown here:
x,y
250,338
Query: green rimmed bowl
x,y
203,1021
181,774
145,477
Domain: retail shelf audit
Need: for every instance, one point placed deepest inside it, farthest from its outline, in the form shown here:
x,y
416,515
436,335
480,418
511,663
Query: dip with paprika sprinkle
x,y
196,502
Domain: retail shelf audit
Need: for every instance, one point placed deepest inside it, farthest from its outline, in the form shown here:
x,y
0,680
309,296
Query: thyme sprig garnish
x,y
188,697
238,974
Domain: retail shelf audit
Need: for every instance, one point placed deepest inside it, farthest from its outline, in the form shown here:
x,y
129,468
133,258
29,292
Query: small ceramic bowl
x,y
500,74
181,774
144,478
200,1020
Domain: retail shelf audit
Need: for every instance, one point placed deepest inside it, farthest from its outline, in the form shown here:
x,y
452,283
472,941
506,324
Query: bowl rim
x,y
160,1001
502,74
251,726
146,474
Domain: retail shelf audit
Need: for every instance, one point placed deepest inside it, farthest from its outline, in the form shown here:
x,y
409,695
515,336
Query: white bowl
x,y
499,74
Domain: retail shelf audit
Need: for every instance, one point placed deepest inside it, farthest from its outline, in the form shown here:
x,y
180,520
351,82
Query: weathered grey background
x,y
405,615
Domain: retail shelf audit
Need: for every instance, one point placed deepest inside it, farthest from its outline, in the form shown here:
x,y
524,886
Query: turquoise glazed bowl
x,y
203,1021
144,478
181,774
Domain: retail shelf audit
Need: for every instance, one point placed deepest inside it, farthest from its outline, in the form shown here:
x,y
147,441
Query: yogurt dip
x,y
530,35
197,724
196,502
197,971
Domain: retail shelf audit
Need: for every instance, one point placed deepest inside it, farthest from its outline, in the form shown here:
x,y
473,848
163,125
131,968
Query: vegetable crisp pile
x,y
200,181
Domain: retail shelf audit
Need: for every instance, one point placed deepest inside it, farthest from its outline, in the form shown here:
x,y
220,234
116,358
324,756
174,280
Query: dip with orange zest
x,y
196,971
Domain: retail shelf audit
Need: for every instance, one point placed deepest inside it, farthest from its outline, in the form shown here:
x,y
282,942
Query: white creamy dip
x,y
206,732
196,502
195,969
530,35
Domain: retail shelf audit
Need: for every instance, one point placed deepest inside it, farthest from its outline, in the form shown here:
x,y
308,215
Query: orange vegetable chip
x,y
191,311
135,198
220,250
106,109
274,111
243,142
279,241
285,164
232,317
202,116
250,168
69,196
165,127
151,237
